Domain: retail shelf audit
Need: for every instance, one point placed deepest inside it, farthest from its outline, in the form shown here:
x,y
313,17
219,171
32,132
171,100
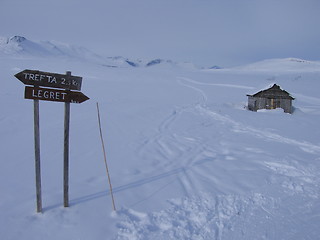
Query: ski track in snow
x,y
299,171
241,128
187,152
205,216
211,84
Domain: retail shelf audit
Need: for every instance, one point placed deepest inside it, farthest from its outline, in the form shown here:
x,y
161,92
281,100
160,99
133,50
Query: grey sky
x,y
222,32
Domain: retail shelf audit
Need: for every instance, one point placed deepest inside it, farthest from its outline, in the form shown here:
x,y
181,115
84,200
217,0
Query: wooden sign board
x,y
54,95
67,82
46,79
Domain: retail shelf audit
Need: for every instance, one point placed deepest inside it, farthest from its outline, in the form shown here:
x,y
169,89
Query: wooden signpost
x,y
54,95
54,80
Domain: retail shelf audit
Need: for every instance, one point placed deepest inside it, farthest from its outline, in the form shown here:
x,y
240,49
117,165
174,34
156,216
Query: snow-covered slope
x,y
282,65
187,160
20,47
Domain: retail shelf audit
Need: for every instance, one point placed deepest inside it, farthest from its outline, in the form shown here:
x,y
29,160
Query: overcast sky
x,y
206,32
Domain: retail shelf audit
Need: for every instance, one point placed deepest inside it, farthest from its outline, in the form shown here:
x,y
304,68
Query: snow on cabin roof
x,y
259,89
272,91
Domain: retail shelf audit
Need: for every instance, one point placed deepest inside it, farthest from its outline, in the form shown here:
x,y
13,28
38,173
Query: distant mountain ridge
x,y
19,46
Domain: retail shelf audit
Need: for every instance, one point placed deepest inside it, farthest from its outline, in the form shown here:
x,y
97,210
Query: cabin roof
x,y
273,92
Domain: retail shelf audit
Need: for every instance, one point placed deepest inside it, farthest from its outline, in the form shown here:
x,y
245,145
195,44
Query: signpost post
x,y
37,154
66,82
66,152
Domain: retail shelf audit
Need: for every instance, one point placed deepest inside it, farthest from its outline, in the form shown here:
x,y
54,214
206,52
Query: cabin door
x,y
275,103
272,103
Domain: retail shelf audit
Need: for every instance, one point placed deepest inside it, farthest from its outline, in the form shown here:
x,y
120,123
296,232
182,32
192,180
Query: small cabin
x,y
271,98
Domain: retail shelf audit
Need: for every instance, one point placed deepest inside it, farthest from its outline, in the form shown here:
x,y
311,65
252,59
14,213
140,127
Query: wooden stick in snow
x,y
105,158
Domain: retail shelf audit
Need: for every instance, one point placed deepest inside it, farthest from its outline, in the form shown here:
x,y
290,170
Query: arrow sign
x,y
46,79
54,95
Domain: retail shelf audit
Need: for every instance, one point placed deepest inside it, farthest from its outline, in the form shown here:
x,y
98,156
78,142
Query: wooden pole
x,y
66,152
105,159
37,154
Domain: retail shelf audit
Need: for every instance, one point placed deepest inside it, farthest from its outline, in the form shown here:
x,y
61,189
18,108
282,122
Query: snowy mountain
x,y
18,46
187,159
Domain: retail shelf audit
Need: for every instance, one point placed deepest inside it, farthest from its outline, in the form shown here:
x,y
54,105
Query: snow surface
x,y
187,160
